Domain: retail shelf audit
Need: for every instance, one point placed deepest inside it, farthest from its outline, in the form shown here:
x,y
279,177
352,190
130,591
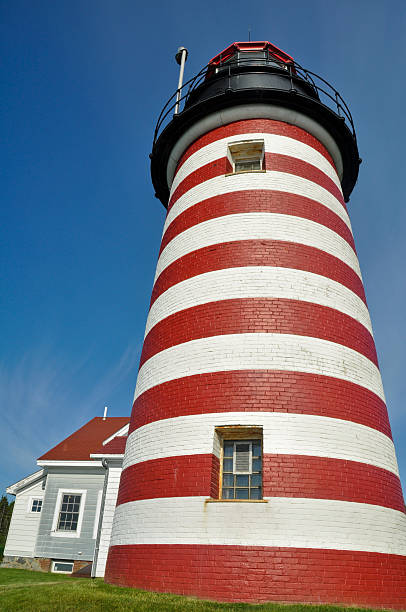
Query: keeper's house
x,y
63,513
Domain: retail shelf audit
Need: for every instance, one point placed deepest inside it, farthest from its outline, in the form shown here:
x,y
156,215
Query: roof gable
x,y
86,440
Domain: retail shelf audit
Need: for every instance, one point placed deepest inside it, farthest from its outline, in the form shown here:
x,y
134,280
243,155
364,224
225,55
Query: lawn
x,y
25,591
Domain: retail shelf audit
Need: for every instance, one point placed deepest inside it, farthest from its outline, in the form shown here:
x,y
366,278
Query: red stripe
x,y
244,253
260,200
329,478
273,161
260,574
183,476
260,315
261,391
252,126
283,476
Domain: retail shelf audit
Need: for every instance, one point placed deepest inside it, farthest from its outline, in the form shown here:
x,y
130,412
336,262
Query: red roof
x,y
252,45
116,446
86,440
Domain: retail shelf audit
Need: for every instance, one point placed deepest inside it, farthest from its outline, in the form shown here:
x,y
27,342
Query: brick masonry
x,y
260,574
258,317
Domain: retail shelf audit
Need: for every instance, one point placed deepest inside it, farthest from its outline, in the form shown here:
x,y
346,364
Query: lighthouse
x,y
259,464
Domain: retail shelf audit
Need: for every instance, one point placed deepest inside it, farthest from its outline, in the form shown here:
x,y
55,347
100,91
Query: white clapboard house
x,y
63,513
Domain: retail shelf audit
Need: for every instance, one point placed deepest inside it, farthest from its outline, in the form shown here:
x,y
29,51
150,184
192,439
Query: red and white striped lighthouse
x,y
259,464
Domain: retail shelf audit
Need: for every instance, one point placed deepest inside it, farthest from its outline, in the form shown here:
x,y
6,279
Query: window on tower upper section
x,y
246,156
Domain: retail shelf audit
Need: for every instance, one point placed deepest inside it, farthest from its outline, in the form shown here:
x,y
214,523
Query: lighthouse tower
x,y
259,464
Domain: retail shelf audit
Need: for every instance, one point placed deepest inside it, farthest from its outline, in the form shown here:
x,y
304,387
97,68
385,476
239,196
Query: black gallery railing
x,y
325,94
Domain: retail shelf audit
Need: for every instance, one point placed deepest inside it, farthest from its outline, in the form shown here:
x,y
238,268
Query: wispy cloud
x,y
41,402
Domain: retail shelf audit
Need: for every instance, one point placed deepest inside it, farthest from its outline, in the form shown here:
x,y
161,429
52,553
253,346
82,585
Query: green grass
x,y
25,591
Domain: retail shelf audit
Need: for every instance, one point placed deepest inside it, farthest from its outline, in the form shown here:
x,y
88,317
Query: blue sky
x,y
83,82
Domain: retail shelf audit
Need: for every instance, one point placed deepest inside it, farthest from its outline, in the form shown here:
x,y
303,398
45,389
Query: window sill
x,y
65,534
245,172
235,501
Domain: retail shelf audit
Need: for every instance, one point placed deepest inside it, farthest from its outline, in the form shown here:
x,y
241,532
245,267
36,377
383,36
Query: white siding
x,y
24,524
108,514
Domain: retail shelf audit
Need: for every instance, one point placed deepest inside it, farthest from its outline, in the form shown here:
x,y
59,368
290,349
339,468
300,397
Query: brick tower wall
x,y
258,318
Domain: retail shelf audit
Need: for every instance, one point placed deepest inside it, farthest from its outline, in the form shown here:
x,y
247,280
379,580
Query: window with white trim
x,y
246,156
240,462
68,515
36,504
69,512
62,567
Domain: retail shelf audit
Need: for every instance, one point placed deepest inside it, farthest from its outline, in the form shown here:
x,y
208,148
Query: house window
x,y
62,567
246,156
69,512
36,505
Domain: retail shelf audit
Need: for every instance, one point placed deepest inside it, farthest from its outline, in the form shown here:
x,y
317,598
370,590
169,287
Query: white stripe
x,y
269,180
273,143
257,226
258,282
252,111
300,523
283,433
259,351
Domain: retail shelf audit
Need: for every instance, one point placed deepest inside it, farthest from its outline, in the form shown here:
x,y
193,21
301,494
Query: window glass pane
x,y
254,164
256,449
228,494
228,480
36,505
228,449
256,480
241,493
256,465
256,493
242,481
63,567
228,465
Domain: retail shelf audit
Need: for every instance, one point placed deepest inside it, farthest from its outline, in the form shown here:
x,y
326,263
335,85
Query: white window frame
x,y
30,502
68,534
54,571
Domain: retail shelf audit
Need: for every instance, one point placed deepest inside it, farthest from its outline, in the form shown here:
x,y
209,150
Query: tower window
x,y
240,463
246,156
